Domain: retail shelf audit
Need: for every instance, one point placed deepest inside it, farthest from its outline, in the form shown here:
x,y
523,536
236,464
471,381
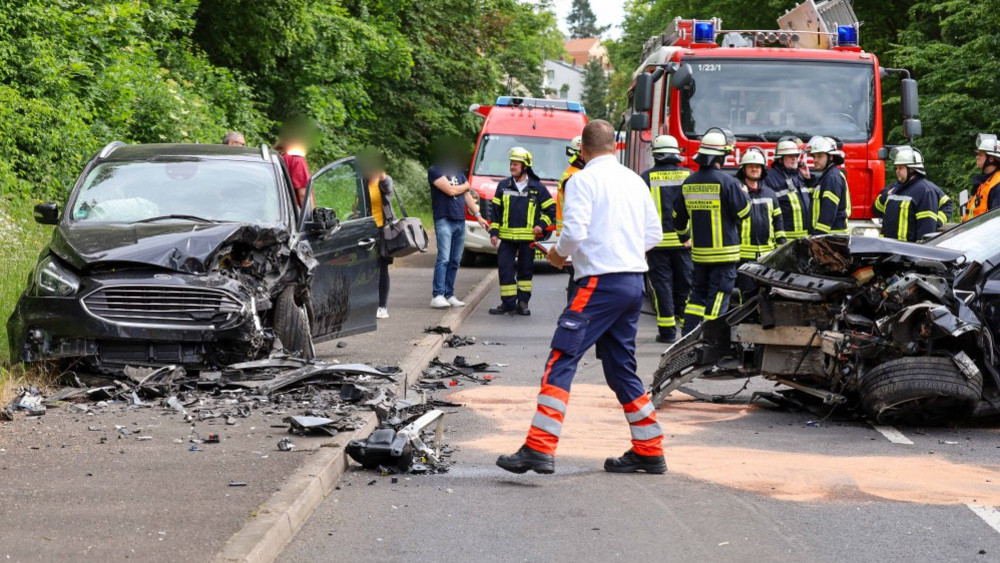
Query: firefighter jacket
x,y
831,205
575,165
514,214
986,196
945,205
714,204
794,199
664,181
761,231
909,210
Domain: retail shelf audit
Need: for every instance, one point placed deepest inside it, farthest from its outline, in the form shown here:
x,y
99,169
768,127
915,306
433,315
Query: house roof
x,y
581,45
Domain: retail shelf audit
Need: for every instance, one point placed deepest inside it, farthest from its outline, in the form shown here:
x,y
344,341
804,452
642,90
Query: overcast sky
x,y
608,12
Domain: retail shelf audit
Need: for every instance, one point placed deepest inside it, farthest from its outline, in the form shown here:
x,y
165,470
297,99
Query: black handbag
x,y
402,237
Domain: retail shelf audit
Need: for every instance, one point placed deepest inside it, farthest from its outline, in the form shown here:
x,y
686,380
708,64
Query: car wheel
x,y
919,391
291,325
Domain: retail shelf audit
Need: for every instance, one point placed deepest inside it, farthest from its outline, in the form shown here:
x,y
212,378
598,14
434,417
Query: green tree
x,y
595,89
582,22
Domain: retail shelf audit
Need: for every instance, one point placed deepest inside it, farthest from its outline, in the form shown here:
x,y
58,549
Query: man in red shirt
x,y
294,154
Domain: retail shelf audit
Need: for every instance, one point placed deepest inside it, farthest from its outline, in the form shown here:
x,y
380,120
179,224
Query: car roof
x,y
183,150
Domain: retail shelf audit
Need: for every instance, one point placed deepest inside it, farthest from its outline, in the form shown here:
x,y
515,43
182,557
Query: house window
x,y
564,92
551,75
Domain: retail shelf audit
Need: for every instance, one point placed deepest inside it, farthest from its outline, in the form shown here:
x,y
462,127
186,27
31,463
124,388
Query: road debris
x,y
457,341
286,445
403,449
437,330
442,375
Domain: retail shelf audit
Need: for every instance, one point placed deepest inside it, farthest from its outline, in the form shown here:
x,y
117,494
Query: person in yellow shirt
x,y
380,186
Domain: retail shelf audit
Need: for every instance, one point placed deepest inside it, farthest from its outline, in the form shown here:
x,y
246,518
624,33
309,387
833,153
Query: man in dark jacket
x,y
670,262
715,206
831,204
909,207
794,196
521,210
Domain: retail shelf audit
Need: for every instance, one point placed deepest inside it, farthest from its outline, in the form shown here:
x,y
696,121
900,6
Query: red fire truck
x,y
544,127
808,78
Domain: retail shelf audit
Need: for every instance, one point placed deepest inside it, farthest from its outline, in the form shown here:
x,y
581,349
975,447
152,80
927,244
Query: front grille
x,y
158,305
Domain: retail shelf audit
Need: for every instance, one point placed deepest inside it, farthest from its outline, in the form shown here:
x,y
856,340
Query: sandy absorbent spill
x,y
595,429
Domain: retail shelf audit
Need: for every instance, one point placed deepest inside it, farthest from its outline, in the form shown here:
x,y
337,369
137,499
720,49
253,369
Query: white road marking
x,y
989,515
893,435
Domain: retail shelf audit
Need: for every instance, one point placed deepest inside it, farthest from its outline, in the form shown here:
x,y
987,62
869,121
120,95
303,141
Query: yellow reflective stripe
x,y
696,310
508,290
927,215
793,200
666,322
716,306
904,220
548,203
880,204
506,210
524,285
832,197
744,212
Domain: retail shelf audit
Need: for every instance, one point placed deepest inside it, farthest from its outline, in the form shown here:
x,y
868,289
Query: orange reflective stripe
x,y
583,296
653,446
641,416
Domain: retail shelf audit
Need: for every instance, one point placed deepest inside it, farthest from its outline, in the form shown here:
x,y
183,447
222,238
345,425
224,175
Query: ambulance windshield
x,y
548,155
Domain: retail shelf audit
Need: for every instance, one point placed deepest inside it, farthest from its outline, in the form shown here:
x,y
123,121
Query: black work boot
x,y
522,309
503,309
631,462
527,458
666,336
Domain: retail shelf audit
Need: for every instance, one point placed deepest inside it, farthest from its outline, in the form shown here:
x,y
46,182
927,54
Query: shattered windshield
x,y
977,239
185,190
765,100
548,155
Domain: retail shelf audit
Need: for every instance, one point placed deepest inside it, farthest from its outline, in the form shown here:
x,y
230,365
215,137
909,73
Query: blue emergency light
x,y
847,36
704,32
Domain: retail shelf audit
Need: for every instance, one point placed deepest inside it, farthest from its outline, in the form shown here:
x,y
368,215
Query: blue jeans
x,y
450,241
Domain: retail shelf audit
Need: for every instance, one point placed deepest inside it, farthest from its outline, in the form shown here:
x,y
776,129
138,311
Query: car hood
x,y
181,247
839,255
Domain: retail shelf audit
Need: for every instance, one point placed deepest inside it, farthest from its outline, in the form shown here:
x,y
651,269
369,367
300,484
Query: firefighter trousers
x,y
711,287
670,276
515,260
745,286
604,312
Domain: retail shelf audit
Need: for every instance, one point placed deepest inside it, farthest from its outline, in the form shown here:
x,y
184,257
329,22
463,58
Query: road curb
x,y
275,523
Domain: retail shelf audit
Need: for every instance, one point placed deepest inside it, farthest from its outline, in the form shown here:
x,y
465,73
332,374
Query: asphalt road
x,y
745,483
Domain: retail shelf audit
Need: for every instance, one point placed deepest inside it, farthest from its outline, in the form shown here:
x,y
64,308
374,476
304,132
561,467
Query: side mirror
x,y
682,78
911,128
323,219
639,122
908,98
642,94
47,213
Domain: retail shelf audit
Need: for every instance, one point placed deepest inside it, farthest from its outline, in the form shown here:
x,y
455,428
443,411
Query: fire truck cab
x,y
808,78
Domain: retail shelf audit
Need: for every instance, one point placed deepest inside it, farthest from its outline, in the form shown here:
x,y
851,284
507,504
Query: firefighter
x,y
985,197
909,207
520,212
670,261
762,230
794,196
831,204
714,205
576,164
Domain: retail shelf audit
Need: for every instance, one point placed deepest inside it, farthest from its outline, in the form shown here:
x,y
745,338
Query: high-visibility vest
x,y
981,201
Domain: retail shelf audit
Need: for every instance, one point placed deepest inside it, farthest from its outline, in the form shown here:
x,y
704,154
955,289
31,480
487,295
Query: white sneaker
x,y
454,302
439,302
382,313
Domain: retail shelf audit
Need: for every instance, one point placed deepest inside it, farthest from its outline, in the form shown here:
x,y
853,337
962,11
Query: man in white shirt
x,y
609,222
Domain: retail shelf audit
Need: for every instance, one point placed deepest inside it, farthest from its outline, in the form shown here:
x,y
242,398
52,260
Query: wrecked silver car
x,y
897,332
197,255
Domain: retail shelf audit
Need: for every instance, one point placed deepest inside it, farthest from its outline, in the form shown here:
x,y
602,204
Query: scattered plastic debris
x,y
437,330
457,341
237,483
286,445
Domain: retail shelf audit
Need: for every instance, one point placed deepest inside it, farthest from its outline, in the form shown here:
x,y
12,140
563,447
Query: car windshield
x,y
548,155
766,100
186,190
976,238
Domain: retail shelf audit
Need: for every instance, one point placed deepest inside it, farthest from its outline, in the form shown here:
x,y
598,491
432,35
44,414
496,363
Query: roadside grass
x,y
21,239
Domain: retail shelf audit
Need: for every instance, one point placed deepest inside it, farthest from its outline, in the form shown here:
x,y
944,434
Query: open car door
x,y
345,283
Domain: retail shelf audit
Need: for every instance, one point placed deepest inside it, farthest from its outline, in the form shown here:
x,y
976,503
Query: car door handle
x,y
366,242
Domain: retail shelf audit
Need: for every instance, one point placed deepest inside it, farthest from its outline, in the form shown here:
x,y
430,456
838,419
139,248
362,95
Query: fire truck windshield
x,y
548,155
764,100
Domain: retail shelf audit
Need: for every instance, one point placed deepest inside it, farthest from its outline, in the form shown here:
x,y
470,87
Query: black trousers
x,y
712,284
670,276
515,261
383,281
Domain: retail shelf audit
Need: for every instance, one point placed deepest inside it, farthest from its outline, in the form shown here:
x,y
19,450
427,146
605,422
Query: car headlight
x,y
52,278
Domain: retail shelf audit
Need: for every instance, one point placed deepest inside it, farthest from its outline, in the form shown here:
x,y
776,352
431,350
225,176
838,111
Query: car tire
x,y
291,325
926,390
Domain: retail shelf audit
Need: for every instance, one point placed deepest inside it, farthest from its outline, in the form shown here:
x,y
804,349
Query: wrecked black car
x,y
197,255
897,332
